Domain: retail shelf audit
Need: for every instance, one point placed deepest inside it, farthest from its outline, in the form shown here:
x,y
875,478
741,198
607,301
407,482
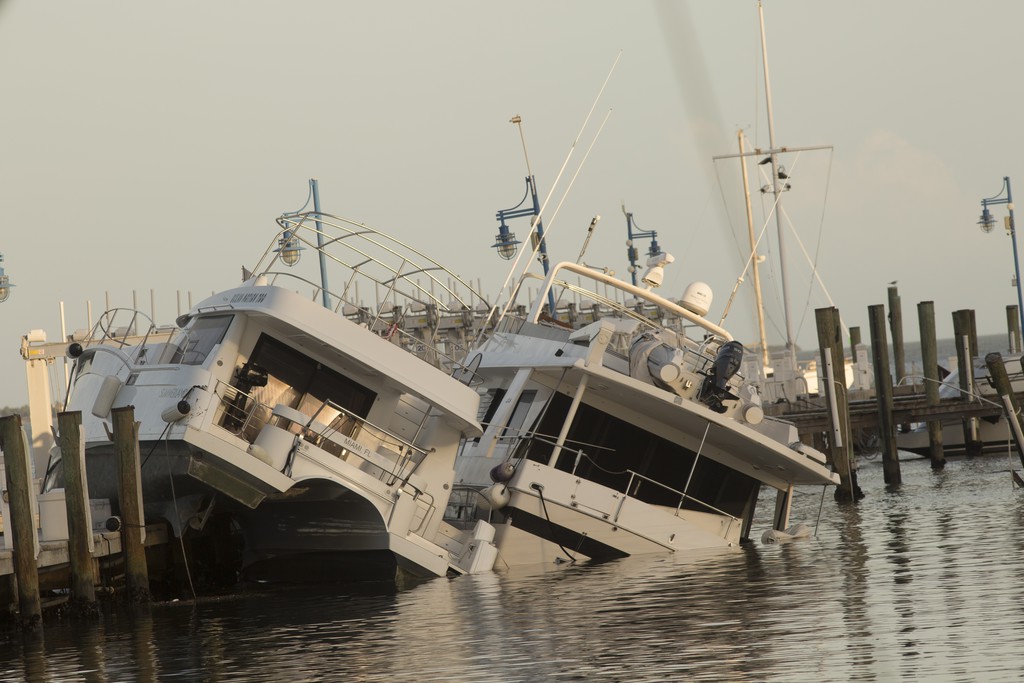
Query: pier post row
x,y
76,498
130,505
21,524
930,369
883,396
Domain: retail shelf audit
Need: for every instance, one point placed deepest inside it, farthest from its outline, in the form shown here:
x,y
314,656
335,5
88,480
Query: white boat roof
x,y
661,412
728,441
315,327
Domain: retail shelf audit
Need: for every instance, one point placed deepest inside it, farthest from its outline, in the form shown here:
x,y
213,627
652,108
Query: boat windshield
x,y
193,344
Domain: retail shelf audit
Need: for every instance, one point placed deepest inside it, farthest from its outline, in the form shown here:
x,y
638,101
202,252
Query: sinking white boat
x,y
620,428
318,427
989,434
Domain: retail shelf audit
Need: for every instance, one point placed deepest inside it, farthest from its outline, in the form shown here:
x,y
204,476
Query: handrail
x,y
405,444
638,292
378,241
683,496
247,425
380,324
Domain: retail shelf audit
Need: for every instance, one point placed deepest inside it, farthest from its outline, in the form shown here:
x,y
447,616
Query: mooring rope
x,y
177,515
551,527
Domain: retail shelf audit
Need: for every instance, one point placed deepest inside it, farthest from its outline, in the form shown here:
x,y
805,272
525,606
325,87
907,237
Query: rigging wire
x,y
579,168
817,251
558,177
177,515
687,248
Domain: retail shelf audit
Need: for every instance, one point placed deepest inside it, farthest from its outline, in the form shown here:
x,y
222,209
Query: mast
x,y
776,189
753,255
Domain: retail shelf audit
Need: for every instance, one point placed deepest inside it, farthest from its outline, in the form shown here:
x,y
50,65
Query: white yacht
x,y
620,426
316,426
990,433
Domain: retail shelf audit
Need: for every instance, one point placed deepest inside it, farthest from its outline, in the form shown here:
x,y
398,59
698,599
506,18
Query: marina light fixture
x,y
505,242
633,254
986,224
288,248
5,283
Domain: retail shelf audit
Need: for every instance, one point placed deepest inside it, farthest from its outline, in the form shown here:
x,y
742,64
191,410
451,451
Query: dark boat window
x,y
293,377
612,446
200,338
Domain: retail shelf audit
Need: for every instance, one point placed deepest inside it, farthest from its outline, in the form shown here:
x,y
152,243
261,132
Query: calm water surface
x,y
924,583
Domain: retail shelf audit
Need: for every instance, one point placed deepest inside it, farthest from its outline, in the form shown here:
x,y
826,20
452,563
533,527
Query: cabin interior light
x,y
288,247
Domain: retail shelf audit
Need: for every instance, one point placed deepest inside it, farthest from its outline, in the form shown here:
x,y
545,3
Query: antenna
x,y
515,265
790,343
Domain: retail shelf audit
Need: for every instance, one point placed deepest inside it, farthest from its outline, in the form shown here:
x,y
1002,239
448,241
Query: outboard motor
x,y
250,376
247,378
716,385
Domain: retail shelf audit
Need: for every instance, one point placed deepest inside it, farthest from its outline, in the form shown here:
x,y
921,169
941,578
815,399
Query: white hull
x,y
574,519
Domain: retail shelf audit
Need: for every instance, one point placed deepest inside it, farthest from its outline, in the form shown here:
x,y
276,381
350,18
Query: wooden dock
x,y
54,557
810,414
38,558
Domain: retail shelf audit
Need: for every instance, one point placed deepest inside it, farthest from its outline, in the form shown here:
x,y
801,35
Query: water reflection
x,y
924,582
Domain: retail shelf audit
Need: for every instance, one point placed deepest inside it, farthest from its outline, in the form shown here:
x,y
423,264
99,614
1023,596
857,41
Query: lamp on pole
x,y
505,241
631,252
5,283
987,223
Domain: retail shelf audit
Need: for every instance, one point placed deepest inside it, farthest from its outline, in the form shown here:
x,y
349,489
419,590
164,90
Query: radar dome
x,y
697,298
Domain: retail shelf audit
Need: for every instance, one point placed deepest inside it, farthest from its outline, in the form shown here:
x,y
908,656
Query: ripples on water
x,y
925,583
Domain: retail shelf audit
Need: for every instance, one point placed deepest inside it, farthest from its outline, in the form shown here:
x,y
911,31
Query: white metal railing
x,y
683,497
635,481
345,436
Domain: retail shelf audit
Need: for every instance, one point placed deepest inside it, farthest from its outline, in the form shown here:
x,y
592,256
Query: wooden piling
x,y
76,498
1013,328
883,395
966,349
854,338
840,447
896,326
930,361
1011,409
133,525
21,525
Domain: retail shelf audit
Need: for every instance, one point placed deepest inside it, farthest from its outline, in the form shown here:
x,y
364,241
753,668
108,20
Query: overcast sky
x,y
149,146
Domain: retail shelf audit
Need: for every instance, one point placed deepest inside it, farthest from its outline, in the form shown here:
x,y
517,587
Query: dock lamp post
x,y
5,283
631,251
505,242
987,223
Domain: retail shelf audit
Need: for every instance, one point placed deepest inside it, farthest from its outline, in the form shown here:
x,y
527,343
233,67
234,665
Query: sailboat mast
x,y
753,255
776,189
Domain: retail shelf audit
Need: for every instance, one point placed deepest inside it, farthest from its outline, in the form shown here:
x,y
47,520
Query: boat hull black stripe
x,y
570,540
